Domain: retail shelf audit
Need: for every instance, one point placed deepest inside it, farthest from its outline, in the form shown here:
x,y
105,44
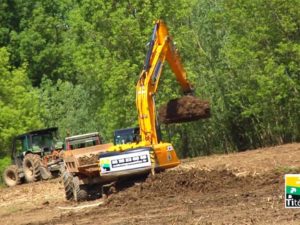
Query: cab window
x,y
21,145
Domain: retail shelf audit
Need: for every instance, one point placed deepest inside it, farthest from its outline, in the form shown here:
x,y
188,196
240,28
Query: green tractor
x,y
35,155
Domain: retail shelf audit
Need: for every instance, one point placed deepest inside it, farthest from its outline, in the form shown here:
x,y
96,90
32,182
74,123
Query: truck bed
x,y
85,160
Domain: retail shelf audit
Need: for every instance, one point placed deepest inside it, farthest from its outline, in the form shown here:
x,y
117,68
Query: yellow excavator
x,y
137,150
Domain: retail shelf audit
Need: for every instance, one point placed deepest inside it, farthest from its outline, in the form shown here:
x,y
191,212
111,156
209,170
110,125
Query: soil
x,y
240,188
184,109
91,159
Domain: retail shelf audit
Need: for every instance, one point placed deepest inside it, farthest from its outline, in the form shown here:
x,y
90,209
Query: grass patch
x,y
11,209
288,169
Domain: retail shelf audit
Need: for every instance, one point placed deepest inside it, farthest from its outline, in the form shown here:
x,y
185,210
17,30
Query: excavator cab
x,y
128,135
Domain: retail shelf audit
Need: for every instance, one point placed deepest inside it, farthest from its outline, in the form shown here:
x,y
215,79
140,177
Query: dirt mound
x,y
179,183
184,109
91,159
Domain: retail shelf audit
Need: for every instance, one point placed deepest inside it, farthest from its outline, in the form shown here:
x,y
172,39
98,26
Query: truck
x,y
138,150
35,155
81,170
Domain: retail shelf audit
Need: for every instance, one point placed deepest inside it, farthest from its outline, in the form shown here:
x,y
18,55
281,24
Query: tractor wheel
x,y
79,191
31,167
68,184
11,177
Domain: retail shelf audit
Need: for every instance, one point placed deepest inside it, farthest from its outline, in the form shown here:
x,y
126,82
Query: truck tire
x,y
68,185
31,167
79,191
73,190
11,176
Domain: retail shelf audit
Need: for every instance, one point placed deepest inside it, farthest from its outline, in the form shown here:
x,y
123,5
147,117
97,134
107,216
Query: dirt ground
x,y
241,188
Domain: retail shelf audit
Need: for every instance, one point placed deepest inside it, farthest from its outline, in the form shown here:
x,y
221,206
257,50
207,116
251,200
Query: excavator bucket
x,y
184,109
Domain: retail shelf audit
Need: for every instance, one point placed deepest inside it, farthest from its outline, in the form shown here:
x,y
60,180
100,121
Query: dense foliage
x,y
74,64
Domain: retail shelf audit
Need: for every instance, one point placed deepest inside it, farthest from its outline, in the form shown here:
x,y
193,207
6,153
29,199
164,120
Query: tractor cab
x,y
39,142
128,135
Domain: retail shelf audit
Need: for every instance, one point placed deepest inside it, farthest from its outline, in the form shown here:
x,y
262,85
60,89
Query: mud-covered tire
x,y
31,167
79,191
11,176
73,189
68,184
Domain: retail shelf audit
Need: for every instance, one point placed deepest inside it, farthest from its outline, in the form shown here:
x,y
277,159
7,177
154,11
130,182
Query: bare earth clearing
x,y
242,188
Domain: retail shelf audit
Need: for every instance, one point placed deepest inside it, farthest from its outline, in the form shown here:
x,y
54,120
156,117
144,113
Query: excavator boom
x,y
161,49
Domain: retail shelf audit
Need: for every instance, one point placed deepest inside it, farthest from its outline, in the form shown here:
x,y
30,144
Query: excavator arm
x,y
161,49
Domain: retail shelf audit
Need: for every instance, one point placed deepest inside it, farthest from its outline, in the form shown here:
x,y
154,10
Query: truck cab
x,y
82,141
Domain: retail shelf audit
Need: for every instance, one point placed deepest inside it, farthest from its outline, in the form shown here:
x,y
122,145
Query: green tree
x,y
66,106
19,106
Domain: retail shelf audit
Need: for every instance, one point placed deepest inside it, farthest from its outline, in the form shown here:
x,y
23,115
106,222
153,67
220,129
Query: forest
x,y
74,64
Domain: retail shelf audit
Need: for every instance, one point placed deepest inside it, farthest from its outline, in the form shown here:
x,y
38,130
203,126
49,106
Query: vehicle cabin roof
x,y
42,131
128,129
81,136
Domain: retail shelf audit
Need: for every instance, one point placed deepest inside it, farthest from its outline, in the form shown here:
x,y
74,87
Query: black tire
x,y
68,185
79,191
11,176
31,167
